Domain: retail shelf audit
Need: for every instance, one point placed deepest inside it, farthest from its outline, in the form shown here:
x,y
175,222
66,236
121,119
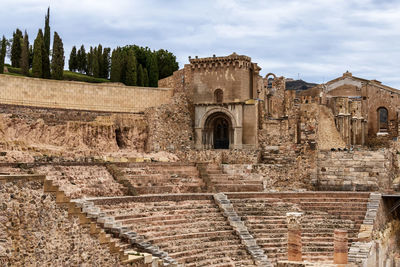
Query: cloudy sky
x,y
315,40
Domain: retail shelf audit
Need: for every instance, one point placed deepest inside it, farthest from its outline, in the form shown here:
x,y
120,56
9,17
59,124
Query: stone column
x,y
294,236
198,133
340,246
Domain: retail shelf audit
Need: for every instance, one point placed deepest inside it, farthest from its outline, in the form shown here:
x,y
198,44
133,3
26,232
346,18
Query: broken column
x,y
294,236
340,246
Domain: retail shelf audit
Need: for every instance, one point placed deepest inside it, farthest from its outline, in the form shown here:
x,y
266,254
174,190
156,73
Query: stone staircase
x,y
190,228
218,181
265,218
161,178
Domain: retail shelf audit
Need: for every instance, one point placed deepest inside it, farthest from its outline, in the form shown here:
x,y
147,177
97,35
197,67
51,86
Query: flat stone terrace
x,y
190,227
265,217
160,178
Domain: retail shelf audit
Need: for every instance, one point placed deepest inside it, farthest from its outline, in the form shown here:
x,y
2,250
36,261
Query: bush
x,y
74,76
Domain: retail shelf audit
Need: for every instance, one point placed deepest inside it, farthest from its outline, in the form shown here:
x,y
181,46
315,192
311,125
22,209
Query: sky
x,y
314,40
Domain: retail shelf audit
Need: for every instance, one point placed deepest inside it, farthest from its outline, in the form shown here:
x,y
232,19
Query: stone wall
x,y
220,156
35,231
354,170
79,95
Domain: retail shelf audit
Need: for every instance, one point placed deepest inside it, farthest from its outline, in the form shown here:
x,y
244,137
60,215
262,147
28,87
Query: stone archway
x,y
218,131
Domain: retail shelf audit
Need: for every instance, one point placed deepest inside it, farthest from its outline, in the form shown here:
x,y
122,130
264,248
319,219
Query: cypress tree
x,y
89,56
106,63
72,62
115,73
140,77
46,46
82,61
25,55
30,55
16,49
145,78
37,68
100,60
95,63
153,70
130,76
3,53
57,58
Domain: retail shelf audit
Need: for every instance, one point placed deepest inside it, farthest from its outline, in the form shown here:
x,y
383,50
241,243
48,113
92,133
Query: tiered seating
x,y
82,181
265,216
193,232
223,182
160,178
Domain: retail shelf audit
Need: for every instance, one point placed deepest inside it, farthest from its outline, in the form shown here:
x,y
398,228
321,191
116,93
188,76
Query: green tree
x,y
89,57
166,62
106,63
3,53
82,59
16,48
130,76
73,61
30,55
57,58
116,65
100,60
152,69
38,47
46,46
140,78
25,55
95,63
145,77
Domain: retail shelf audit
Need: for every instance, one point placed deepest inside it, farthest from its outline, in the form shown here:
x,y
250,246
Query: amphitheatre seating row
x,y
190,228
223,182
265,216
160,178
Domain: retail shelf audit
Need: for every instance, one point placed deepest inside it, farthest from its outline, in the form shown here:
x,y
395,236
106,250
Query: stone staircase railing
x,y
238,225
109,224
360,250
87,219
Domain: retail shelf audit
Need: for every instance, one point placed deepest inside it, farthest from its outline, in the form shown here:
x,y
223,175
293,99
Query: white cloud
x,y
316,39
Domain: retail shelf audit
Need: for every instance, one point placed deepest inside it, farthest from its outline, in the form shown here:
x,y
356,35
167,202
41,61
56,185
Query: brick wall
x,y
79,95
354,170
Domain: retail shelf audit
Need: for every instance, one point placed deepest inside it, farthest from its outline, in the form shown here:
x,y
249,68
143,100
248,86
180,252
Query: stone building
x,y
363,109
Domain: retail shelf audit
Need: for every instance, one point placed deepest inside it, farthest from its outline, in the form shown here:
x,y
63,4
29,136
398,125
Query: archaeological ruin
x,y
218,166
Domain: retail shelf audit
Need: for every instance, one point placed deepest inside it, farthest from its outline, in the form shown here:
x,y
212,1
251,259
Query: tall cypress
x,y
145,77
25,55
3,53
100,60
38,48
152,69
139,80
130,75
95,63
46,46
115,73
16,49
30,55
57,58
82,61
89,57
72,62
106,63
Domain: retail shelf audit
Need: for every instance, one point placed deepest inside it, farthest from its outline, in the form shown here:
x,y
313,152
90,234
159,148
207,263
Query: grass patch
x,y
68,75
73,76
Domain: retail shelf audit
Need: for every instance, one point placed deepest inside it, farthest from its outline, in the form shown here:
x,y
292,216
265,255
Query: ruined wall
x,y
77,130
220,156
328,136
354,170
34,231
170,126
79,95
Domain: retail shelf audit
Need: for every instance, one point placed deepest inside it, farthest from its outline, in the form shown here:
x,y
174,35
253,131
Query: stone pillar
x,y
294,236
198,132
340,246
237,137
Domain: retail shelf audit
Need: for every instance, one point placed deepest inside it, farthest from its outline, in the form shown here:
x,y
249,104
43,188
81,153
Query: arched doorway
x,y
382,119
218,131
221,133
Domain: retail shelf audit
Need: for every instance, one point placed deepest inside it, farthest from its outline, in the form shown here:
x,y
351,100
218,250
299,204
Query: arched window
x,y
218,95
382,119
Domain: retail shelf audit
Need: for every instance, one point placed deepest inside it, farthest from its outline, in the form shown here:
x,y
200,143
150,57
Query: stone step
x,y
210,234
238,188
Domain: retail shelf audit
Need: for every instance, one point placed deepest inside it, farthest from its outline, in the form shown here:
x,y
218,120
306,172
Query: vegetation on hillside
x,y
131,64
